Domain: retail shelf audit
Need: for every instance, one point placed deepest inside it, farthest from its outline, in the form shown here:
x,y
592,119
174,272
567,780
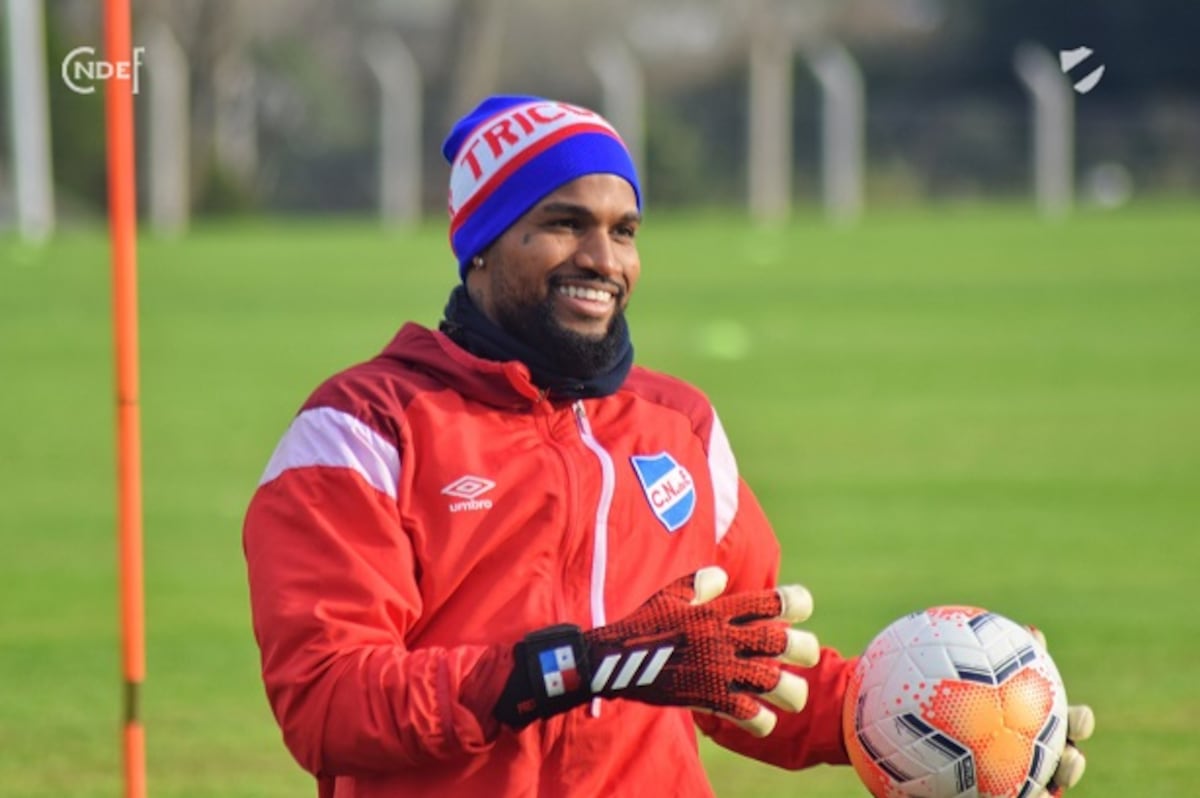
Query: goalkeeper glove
x,y
1081,722
684,647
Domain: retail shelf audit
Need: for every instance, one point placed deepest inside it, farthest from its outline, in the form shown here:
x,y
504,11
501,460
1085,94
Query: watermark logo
x,y
1069,59
81,70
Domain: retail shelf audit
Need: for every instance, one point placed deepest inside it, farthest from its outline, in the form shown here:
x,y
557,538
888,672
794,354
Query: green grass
x,y
936,407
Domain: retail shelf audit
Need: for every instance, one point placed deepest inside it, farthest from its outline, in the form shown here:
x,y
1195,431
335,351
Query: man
x,y
465,549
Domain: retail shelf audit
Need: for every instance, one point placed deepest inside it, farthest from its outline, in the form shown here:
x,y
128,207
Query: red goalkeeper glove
x,y
684,647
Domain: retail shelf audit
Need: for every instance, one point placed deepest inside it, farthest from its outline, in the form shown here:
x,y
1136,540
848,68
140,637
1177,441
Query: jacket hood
x,y
505,384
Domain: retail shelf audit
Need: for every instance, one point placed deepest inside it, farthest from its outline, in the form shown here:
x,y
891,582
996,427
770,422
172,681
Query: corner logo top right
x,y
1069,59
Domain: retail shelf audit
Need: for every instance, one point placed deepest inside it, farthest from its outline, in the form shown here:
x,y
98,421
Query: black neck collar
x,y
468,327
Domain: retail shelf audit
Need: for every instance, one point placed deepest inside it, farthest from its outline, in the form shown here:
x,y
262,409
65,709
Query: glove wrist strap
x,y
551,674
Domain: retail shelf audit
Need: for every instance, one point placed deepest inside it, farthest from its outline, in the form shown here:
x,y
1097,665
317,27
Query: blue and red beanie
x,y
510,152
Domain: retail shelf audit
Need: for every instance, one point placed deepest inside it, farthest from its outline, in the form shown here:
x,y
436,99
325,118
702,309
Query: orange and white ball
x,y
955,702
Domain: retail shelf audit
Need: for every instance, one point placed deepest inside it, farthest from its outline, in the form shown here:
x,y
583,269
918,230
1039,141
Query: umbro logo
x,y
469,488
630,664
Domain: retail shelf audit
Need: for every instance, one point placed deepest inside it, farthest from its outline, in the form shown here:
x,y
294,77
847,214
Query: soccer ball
x,y
955,702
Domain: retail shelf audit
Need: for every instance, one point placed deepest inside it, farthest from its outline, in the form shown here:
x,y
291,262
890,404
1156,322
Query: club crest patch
x,y
668,487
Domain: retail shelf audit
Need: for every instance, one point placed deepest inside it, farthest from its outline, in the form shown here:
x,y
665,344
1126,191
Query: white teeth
x,y
585,293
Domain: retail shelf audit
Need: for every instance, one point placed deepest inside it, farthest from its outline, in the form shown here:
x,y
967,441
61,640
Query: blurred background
x,y
936,263
282,106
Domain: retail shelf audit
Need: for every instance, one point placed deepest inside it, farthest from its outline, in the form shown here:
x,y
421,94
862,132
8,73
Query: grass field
x,y
938,407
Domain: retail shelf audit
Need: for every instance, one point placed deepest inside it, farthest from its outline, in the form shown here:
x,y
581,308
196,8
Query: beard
x,y
568,353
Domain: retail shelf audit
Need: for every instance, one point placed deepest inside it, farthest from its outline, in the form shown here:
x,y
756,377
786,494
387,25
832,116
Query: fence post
x,y
29,102
1053,107
623,87
843,112
401,112
168,127
770,124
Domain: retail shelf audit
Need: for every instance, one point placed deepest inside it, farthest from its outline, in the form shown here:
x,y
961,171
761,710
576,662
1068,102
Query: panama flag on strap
x,y
668,486
559,671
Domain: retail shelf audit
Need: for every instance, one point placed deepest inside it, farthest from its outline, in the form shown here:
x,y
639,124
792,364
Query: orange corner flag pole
x,y
122,220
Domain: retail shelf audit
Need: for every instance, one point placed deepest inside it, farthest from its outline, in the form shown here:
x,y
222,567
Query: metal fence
x,y
351,121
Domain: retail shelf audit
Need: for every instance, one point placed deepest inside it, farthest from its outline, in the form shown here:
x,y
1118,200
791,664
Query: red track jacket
x,y
428,508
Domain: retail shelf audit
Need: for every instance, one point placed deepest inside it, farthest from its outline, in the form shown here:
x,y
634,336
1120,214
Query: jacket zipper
x,y
608,481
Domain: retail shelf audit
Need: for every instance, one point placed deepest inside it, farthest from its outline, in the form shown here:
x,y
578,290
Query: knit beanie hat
x,y
510,152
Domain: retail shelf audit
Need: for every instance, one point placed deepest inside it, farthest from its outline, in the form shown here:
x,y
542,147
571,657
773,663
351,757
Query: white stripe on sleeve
x,y
323,436
724,471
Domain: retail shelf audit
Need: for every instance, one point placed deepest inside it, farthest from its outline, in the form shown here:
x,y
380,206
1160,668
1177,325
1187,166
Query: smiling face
x,y
560,278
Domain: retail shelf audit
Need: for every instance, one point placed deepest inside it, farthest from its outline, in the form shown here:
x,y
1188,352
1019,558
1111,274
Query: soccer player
x,y
499,558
